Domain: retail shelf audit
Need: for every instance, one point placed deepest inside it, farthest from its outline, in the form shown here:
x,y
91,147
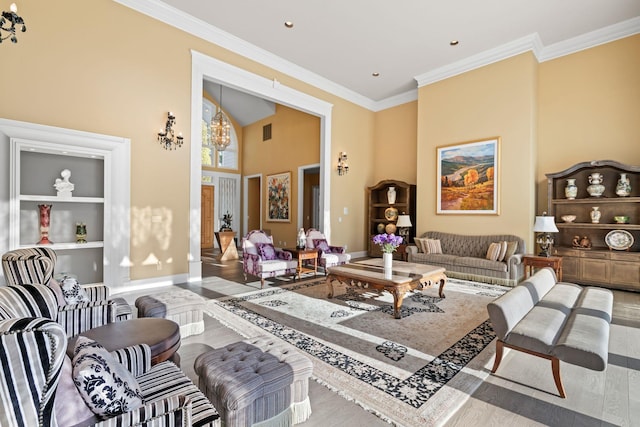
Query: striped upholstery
x,y
27,301
29,265
31,354
171,398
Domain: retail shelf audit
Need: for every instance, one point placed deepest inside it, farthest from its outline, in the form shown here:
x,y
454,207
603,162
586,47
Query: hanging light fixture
x,y
14,19
220,128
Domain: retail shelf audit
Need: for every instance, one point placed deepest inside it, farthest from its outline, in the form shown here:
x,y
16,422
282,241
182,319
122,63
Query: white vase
x,y
571,190
388,264
623,189
391,195
595,215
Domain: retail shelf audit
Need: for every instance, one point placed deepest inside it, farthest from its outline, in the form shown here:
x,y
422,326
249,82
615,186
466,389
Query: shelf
x,y
65,246
33,198
598,200
387,205
598,226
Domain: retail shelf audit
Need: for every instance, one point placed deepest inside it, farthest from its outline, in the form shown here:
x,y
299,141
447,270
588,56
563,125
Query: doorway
x,y
206,216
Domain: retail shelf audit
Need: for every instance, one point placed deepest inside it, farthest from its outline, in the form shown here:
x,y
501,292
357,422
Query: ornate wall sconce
x,y
343,167
166,136
14,19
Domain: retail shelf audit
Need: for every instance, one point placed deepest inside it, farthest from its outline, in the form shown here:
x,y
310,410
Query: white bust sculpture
x,y
63,185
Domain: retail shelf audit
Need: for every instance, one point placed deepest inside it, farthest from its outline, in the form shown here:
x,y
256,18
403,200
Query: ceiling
x,y
337,45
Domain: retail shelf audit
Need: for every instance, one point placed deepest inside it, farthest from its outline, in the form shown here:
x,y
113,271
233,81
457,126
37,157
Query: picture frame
x,y
279,197
468,177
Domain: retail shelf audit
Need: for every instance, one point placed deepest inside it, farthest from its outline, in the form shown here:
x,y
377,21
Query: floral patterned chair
x,y
262,259
328,256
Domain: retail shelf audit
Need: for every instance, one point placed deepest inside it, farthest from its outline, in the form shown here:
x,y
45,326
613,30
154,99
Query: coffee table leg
x,y
441,290
398,297
330,286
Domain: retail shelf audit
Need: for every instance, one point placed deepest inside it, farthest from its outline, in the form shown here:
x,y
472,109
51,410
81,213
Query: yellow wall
x,y
295,142
101,67
111,70
496,100
589,109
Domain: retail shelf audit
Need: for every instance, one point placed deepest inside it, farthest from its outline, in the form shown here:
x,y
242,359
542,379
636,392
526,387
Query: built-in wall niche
x,y
100,172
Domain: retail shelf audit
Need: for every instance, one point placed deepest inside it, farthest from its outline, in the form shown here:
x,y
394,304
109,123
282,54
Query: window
x,y
228,158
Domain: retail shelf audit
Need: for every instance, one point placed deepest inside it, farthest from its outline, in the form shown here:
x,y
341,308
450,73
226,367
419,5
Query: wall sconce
x,y
404,225
12,18
544,225
343,167
166,136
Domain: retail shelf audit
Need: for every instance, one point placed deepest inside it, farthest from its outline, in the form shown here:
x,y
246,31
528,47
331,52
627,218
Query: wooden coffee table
x,y
162,335
369,275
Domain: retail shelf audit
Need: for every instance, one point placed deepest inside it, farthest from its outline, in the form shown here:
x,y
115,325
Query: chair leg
x,y
555,367
261,282
498,357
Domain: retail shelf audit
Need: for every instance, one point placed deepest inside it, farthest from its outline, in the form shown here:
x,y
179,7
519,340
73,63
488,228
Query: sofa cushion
x,y
432,246
106,386
493,252
584,342
512,247
480,263
435,258
419,241
539,330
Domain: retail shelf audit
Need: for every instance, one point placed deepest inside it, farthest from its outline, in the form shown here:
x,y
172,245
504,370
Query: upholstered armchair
x,y
328,256
37,387
37,265
261,259
41,301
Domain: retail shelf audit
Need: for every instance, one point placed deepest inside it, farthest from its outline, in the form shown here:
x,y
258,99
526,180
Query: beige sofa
x,y
554,320
464,257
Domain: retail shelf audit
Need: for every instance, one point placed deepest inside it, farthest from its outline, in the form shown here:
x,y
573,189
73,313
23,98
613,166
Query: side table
x,y
532,262
304,254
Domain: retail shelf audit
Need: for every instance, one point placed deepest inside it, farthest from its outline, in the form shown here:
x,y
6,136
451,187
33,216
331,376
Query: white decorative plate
x,y
619,239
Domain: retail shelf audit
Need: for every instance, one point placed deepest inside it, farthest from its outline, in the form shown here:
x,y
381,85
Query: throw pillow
x,y
69,405
322,245
432,246
503,250
419,241
512,247
106,386
493,252
72,291
266,251
55,287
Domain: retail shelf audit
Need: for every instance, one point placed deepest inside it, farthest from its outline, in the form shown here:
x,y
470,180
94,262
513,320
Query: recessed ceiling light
x,y
288,24
375,74
454,42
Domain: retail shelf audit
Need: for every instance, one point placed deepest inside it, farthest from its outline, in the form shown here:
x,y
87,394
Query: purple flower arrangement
x,y
388,242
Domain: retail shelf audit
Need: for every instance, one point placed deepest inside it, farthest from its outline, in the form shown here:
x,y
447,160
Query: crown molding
x,y
594,38
169,15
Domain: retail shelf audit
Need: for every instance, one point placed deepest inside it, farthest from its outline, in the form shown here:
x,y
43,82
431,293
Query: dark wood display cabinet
x,y
610,252
382,215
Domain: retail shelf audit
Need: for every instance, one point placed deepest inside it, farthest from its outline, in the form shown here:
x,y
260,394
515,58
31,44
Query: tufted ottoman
x,y
182,306
256,381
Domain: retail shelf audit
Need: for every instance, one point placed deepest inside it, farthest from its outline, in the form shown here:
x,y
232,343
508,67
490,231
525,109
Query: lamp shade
x,y
545,224
403,221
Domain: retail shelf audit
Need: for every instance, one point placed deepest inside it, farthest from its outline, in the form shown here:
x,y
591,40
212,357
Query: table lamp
x,y
544,225
404,225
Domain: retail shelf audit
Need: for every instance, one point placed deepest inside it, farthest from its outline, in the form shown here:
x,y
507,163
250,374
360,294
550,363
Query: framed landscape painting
x,y
279,197
468,177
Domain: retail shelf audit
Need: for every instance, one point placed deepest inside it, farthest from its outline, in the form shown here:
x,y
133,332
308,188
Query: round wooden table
x,y
162,335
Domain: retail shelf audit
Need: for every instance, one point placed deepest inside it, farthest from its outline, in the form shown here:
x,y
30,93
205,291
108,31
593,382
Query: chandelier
x,y
220,128
12,18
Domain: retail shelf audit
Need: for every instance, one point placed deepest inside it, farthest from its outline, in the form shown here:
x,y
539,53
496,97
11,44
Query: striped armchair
x,y
40,301
36,265
32,354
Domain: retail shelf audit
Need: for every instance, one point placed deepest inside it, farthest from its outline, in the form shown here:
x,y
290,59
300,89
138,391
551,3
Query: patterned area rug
x,y
413,371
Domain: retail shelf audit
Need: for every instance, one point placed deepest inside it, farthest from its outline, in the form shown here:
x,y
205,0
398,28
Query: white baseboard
x,y
151,283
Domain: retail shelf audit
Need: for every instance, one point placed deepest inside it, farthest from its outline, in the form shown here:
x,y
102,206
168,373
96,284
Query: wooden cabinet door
x,y
595,270
570,270
625,273
206,216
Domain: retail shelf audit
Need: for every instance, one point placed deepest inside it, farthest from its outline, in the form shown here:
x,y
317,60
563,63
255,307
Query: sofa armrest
x,y
170,411
96,291
411,249
136,358
77,318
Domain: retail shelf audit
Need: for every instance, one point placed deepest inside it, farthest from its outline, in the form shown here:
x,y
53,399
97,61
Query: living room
x,y
105,68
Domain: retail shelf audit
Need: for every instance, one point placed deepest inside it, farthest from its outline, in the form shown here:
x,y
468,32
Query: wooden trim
x,y
555,363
